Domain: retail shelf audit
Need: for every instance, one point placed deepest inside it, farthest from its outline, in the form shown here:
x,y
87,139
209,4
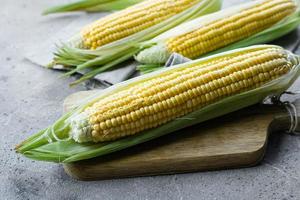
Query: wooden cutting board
x,y
236,140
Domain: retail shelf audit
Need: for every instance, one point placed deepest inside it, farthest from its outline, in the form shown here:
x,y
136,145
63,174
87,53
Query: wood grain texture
x,y
235,140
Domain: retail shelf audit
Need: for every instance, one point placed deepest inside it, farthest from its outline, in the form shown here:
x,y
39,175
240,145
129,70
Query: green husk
x,y
113,6
92,6
70,55
55,145
149,57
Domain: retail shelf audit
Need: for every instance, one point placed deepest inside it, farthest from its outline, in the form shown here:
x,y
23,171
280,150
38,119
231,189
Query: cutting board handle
x,y
282,123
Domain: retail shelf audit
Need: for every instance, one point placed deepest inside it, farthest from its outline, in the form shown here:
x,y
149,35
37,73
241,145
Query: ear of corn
x,y
251,23
116,36
162,102
130,21
92,6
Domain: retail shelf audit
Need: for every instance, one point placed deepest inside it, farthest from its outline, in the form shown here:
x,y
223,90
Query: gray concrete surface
x,y
31,99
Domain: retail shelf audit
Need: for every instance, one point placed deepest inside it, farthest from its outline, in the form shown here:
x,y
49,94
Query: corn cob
x,y
165,101
92,6
174,94
129,21
132,20
203,35
114,37
236,27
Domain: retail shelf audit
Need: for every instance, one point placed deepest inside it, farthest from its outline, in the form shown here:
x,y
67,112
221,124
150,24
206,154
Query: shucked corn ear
x,y
112,39
212,32
165,101
92,6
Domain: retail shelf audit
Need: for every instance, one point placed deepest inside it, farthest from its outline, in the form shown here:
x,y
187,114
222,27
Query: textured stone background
x,y
31,99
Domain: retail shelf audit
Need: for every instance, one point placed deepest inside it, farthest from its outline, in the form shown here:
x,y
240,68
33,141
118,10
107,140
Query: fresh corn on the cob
x,y
135,19
212,32
112,39
132,20
161,102
92,6
176,93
